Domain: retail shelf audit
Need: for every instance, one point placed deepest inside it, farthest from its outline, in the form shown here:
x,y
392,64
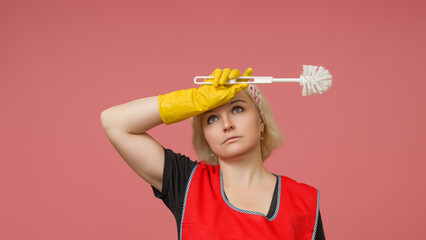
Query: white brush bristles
x,y
315,80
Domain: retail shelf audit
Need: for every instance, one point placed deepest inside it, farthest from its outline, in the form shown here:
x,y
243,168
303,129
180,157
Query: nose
x,y
228,124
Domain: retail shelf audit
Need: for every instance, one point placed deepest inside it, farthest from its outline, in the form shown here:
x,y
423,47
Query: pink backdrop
x,y
61,63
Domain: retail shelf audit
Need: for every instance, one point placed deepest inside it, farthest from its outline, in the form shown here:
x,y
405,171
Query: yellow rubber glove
x,y
179,105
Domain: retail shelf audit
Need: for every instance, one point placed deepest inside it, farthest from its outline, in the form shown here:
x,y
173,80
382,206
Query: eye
x,y
211,119
237,109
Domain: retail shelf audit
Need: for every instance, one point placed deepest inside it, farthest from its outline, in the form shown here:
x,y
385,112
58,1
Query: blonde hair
x,y
272,137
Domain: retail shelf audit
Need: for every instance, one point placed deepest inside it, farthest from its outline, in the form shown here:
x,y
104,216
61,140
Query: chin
x,y
233,153
231,156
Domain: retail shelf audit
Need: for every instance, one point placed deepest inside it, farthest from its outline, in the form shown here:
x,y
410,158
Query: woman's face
x,y
233,129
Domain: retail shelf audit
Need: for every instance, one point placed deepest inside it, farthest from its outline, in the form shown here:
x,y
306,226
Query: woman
x,y
229,194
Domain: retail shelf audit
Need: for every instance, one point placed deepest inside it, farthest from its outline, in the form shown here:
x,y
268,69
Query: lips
x,y
231,139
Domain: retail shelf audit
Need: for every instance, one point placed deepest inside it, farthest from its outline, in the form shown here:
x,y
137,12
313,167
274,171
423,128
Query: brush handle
x,y
257,80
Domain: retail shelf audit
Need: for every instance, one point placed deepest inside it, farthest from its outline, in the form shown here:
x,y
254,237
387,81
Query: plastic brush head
x,y
315,80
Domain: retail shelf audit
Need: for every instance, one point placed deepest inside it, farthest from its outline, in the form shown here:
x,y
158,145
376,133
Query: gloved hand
x,y
179,105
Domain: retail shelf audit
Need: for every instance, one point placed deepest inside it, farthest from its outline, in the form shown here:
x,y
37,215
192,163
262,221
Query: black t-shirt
x,y
176,173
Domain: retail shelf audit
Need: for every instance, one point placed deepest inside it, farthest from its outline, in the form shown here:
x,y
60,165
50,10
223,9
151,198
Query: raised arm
x,y
126,125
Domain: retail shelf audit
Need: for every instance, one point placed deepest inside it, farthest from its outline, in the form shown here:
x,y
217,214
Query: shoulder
x,y
299,190
205,170
293,183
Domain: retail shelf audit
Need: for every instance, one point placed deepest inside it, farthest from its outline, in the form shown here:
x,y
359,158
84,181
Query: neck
x,y
244,172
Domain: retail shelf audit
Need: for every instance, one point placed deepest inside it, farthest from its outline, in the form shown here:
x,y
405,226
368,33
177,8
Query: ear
x,y
263,124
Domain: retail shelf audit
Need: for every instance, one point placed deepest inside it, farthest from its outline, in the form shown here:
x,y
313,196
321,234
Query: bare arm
x,y
126,126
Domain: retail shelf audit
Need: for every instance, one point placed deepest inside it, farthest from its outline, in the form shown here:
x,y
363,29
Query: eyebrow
x,y
229,104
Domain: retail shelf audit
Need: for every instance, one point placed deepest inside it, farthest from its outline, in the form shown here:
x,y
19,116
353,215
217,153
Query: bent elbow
x,y
105,119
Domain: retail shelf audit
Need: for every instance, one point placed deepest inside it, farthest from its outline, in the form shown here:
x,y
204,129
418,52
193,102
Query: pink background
x,y
61,63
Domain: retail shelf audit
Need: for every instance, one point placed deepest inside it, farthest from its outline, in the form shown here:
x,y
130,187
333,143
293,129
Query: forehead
x,y
242,95
245,96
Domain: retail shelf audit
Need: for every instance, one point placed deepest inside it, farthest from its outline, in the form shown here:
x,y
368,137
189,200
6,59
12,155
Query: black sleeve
x,y
177,170
319,235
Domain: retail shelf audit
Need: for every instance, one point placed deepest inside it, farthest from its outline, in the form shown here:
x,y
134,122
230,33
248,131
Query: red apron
x,y
208,215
